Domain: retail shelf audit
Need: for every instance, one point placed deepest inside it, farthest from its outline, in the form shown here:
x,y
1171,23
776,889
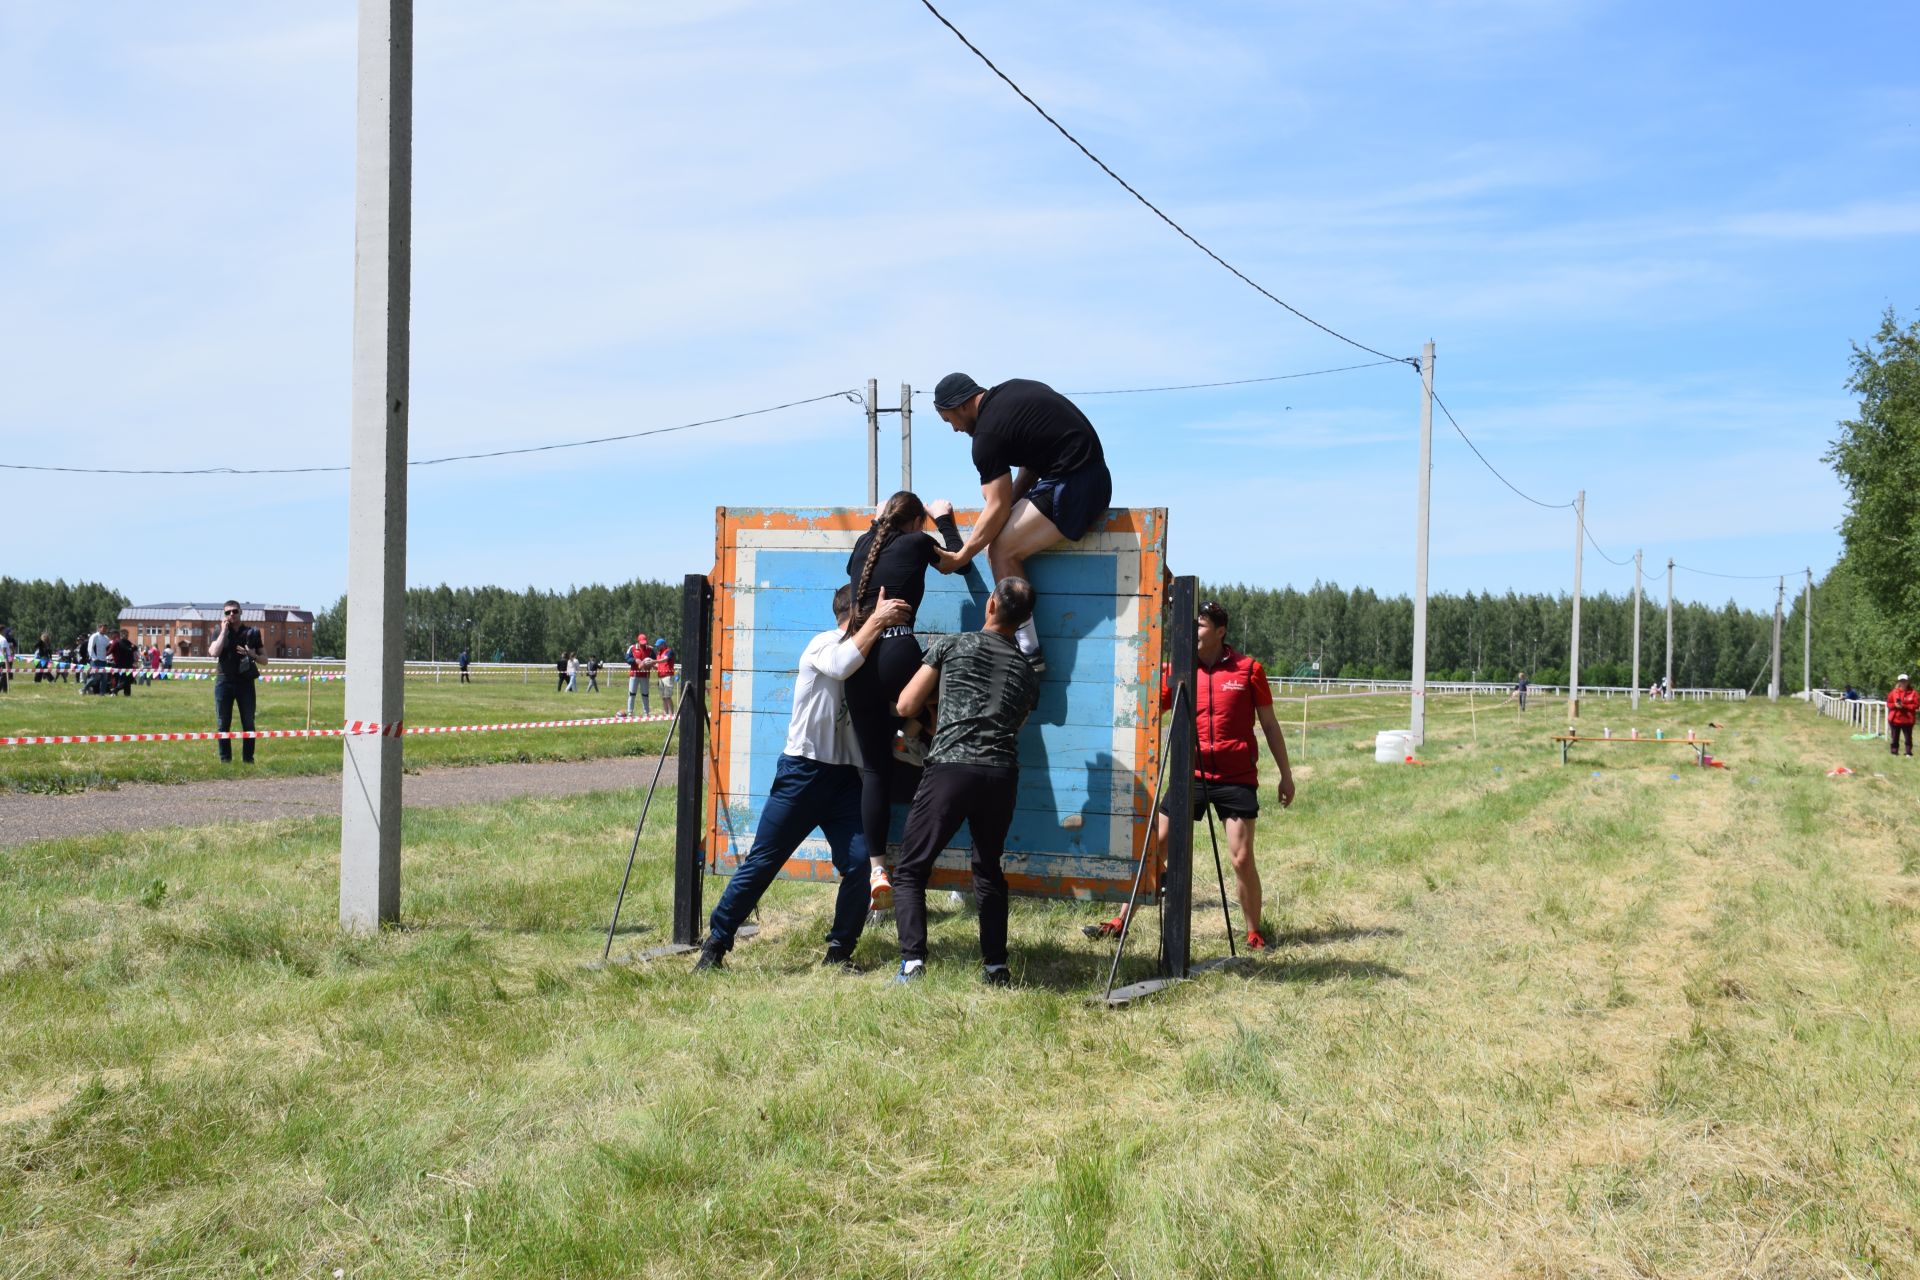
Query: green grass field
x,y
1523,1021
58,709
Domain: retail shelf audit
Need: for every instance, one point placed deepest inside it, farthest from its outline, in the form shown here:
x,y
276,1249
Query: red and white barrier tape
x,y
20,672
353,729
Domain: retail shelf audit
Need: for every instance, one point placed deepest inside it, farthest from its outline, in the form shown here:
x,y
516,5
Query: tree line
x,y
63,610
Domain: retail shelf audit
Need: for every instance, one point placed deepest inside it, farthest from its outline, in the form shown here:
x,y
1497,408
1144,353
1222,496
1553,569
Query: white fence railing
x,y
438,672
1865,715
1501,688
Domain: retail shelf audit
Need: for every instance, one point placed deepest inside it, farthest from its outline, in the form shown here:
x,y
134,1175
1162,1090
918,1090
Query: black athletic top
x,y
902,566
1024,423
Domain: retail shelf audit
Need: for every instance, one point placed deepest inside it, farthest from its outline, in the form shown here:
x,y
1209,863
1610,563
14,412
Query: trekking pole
x,y
665,749
1146,846
1221,876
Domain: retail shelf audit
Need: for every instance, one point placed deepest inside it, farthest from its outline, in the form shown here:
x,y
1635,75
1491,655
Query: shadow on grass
x,y
1338,933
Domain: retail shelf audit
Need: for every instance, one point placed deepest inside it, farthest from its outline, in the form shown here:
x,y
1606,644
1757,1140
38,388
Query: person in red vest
x,y
1903,701
639,669
663,667
1230,693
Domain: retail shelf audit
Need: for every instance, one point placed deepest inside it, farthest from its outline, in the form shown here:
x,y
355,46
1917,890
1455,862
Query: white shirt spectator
x,y
99,646
820,729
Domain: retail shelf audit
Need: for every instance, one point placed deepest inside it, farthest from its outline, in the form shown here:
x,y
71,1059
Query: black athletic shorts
x,y
1073,501
1230,800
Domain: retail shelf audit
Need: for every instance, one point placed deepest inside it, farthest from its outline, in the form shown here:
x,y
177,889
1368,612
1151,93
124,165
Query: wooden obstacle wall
x,y
1088,755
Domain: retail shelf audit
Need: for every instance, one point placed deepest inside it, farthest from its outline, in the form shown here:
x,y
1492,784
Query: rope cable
x,y
1151,206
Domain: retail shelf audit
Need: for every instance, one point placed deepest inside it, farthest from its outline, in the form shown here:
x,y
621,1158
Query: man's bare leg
x,y
1027,533
1245,874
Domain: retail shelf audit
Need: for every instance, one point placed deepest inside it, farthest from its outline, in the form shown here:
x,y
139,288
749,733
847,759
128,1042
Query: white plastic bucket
x,y
1392,746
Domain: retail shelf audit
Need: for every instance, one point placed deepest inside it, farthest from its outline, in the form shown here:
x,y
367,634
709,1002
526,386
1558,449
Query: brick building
x,y
285,632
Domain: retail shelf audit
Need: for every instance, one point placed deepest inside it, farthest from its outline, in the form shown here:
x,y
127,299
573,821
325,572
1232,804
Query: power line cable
x,y
1156,210
1752,577
428,462
1236,382
1597,547
1550,506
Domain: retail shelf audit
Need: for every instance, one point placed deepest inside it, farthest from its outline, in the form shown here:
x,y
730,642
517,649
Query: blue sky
x,y
1642,236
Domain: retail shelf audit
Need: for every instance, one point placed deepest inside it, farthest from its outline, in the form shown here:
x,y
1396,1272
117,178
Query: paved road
x,y
138,806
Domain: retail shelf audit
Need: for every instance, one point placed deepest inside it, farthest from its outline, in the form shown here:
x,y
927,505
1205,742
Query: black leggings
x,y
1893,737
872,692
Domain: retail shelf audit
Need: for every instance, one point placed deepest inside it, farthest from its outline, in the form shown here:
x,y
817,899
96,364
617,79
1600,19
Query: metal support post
x,y
370,793
1573,647
1636,630
1176,877
1422,523
873,443
690,819
906,437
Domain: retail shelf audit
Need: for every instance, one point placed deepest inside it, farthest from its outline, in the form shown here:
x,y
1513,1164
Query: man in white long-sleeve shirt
x,y
816,784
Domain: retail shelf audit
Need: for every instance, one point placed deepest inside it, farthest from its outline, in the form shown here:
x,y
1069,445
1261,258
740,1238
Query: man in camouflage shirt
x,y
986,691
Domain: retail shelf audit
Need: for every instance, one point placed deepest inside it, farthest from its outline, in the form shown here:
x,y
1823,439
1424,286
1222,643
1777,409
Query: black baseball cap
x,y
954,390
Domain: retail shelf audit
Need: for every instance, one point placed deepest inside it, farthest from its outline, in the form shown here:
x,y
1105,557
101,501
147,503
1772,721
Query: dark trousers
x,y
1523,698
871,693
950,794
1893,737
228,694
463,676
805,794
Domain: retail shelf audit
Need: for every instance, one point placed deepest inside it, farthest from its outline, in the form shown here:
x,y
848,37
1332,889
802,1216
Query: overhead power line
x,y
1745,577
1236,382
1154,208
427,462
1550,506
1597,547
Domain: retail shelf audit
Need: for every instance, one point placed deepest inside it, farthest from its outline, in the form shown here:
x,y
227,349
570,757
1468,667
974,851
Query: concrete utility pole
x,y
1573,648
1806,644
873,442
1773,685
377,488
906,437
1636,631
1667,688
1420,529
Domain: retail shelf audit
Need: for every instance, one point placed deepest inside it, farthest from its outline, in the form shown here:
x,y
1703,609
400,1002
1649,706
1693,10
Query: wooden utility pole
x,y
1420,529
873,442
1773,685
1635,697
1806,644
1667,688
370,799
1573,647
906,437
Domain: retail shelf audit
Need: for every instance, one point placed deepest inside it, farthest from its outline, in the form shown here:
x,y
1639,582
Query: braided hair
x,y
904,513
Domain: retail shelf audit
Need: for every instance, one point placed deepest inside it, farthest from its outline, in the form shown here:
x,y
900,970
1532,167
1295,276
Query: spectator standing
x,y
236,653
1230,694
99,653
465,658
639,673
987,688
1903,702
1520,688
573,671
6,657
43,659
816,784
166,661
124,660
663,668
560,671
593,674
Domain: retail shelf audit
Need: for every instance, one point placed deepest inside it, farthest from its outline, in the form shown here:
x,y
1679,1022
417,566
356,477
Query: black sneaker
x,y
839,958
997,975
711,957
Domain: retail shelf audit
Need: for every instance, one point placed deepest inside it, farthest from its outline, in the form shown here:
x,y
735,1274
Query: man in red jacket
x,y
1230,693
1903,701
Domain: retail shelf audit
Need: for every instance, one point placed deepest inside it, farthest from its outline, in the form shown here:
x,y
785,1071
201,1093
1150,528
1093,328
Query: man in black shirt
x,y
236,652
1063,486
987,689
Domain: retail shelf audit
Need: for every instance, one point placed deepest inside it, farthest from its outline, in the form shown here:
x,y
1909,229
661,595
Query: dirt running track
x,y
138,806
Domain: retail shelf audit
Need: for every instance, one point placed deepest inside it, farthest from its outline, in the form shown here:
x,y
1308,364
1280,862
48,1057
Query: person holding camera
x,y
236,651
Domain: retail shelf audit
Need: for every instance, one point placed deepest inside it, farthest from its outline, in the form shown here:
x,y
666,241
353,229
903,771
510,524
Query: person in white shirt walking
x,y
816,784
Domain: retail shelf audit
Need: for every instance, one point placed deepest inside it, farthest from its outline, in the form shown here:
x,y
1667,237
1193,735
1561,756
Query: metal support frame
x,y
689,844
1176,879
